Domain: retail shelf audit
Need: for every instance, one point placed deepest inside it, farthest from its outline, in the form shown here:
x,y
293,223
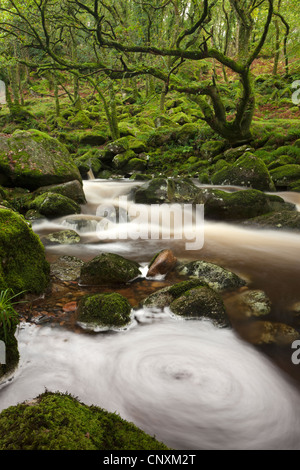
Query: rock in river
x,y
215,276
108,268
191,299
104,310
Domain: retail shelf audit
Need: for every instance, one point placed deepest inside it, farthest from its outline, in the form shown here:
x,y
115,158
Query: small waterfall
x,y
90,174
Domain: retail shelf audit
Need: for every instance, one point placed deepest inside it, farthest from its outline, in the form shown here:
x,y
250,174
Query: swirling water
x,y
192,385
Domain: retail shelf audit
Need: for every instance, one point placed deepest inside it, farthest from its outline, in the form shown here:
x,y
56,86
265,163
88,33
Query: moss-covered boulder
x,y
108,310
201,302
192,299
88,161
212,148
54,205
285,175
217,277
121,160
108,268
95,137
135,164
137,146
244,204
56,421
117,146
160,190
249,170
232,154
279,220
23,266
72,189
31,159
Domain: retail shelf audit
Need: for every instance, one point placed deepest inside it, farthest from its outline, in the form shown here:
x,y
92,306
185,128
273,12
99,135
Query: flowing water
x,y
190,384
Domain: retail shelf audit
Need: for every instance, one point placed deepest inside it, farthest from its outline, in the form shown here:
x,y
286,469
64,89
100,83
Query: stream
x,y
192,385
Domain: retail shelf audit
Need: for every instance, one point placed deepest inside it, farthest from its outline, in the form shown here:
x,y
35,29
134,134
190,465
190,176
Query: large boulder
x,y
284,176
222,205
23,266
108,268
249,170
31,159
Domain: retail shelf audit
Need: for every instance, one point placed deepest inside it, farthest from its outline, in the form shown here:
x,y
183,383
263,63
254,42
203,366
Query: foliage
x,y
9,318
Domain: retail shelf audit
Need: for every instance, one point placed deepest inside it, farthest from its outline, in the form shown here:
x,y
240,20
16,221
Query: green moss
x,y
248,170
54,205
122,159
285,175
181,287
201,302
32,159
221,205
90,160
135,164
23,265
104,310
212,148
56,421
108,268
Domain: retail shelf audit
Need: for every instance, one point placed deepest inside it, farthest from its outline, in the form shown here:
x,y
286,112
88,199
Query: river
x,y
192,385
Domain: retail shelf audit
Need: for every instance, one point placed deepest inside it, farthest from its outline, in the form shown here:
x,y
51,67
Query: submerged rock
x,y
66,268
32,159
104,310
215,276
63,237
252,303
266,332
162,263
23,265
108,268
